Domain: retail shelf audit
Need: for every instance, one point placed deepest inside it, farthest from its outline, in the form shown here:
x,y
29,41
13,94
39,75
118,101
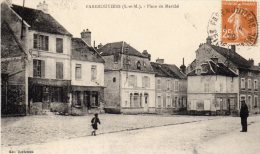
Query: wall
x,y
126,89
51,57
111,91
86,74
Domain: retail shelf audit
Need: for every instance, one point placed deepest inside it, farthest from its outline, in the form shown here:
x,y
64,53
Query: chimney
x,y
147,54
86,36
99,46
251,61
9,3
208,40
161,61
43,7
183,67
233,48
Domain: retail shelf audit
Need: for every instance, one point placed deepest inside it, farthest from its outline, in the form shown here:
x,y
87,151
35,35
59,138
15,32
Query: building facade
x,y
129,79
87,77
170,89
48,48
245,85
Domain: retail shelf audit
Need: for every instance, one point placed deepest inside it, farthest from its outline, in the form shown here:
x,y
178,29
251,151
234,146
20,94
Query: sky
x,y
167,33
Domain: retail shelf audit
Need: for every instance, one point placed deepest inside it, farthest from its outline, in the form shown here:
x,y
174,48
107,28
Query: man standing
x,y
244,115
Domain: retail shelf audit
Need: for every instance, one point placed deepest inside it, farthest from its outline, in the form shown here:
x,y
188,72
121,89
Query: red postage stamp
x,y
239,22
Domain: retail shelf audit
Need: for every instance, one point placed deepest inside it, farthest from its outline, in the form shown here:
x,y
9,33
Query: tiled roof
x,y
81,51
233,56
40,21
167,70
211,68
119,47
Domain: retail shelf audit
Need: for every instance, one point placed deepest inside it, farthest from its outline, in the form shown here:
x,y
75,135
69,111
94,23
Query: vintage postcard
x,y
130,77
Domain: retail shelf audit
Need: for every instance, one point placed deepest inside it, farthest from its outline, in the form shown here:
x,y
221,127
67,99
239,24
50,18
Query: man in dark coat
x,y
244,115
94,123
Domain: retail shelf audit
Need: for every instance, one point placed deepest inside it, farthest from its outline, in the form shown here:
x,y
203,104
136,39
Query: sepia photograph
x,y
130,77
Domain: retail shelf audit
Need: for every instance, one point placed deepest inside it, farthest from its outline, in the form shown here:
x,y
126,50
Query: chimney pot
x,y
208,40
233,48
161,61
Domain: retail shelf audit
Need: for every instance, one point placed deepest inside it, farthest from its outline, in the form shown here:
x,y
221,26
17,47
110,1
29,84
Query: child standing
x,y
94,123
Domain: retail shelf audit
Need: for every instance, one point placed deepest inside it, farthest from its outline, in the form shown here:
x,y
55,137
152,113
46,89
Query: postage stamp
x,y
239,22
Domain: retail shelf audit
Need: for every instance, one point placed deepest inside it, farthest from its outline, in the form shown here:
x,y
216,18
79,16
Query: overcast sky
x,y
171,33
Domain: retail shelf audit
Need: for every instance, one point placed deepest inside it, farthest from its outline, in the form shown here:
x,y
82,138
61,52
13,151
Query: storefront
x,y
48,94
86,98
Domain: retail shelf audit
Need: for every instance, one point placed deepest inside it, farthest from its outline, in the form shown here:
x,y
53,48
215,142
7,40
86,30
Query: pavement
x,y
208,136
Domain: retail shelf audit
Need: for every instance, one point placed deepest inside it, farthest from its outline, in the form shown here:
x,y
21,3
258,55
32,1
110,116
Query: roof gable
x,y
119,47
81,51
40,21
167,70
234,57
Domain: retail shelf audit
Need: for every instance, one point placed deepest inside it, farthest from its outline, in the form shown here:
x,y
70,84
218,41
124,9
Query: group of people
x,y
243,114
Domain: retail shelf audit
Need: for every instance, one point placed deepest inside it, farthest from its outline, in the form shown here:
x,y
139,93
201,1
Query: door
x,y
46,98
146,102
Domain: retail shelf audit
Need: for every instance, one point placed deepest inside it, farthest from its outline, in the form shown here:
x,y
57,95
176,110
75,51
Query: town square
x,y
130,77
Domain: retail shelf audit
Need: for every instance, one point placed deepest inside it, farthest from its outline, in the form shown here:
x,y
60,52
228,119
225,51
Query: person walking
x,y
244,115
94,123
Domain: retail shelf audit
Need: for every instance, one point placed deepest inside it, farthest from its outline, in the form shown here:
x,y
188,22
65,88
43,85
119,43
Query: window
x,y
114,79
206,87
93,72
146,82
77,98
159,101
243,85
255,84
57,94
158,84
249,84
38,68
59,70
255,101
40,42
136,102
78,71
132,81
116,57
138,65
176,85
249,101
59,45
168,85
168,101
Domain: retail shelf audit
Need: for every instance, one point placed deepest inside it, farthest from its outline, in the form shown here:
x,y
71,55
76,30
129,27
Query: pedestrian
x,y
94,123
244,115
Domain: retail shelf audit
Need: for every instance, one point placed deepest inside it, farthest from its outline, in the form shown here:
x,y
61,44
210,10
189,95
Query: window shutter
x,y
42,68
35,40
46,43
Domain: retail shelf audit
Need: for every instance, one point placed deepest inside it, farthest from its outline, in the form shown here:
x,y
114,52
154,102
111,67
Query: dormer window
x,y
198,71
138,65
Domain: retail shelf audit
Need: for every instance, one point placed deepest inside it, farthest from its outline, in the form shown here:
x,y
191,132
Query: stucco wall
x,y
86,74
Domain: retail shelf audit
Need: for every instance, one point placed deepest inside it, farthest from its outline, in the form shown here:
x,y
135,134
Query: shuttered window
x,y
38,68
78,71
93,72
59,45
40,42
59,70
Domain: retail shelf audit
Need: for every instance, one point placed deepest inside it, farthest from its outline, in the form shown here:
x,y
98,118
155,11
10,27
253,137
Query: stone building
x,y
87,76
47,47
247,87
129,79
13,82
170,89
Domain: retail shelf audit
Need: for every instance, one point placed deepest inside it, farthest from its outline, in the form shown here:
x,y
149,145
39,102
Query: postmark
x,y
239,22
